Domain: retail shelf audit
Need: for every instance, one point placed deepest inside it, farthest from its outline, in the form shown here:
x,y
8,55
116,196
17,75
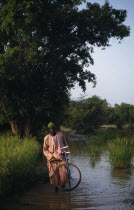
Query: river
x,y
102,187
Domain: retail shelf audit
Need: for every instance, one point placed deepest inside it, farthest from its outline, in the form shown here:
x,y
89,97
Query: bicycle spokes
x,y
70,179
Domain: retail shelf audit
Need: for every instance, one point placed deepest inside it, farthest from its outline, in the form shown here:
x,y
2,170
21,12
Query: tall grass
x,y
120,153
120,144
104,135
18,159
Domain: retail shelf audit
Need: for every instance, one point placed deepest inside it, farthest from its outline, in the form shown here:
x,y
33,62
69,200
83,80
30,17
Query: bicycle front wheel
x,y
69,177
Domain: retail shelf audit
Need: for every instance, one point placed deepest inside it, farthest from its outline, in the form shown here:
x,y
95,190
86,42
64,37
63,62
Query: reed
x,y
94,150
120,153
18,159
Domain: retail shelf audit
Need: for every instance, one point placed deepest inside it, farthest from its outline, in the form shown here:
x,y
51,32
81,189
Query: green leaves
x,y
87,114
46,47
124,114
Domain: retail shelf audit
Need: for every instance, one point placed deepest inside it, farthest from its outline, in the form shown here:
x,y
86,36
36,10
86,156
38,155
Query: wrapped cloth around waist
x,y
55,161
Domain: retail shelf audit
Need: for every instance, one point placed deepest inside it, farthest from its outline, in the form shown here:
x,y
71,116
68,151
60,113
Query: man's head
x,y
51,127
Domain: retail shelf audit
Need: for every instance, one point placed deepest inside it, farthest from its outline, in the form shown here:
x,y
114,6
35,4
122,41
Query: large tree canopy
x,y
46,46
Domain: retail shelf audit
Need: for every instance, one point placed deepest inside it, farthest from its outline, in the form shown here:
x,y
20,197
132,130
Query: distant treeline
x,y
89,114
86,115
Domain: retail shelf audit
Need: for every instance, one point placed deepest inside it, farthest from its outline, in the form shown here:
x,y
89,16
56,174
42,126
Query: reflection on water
x,y
102,187
124,174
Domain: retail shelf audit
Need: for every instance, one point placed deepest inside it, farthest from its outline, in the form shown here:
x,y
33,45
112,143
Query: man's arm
x,y
65,142
46,151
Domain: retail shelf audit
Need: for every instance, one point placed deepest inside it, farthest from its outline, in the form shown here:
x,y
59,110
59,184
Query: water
x,y
102,187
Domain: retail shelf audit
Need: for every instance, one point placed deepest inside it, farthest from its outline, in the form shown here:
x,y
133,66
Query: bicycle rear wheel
x,y
71,177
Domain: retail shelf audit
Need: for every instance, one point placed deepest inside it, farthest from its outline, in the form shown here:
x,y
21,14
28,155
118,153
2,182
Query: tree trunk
x,y
27,127
21,130
15,127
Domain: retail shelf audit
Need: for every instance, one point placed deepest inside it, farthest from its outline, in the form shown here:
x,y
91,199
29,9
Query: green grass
x,y
120,144
104,135
18,159
17,156
120,153
94,150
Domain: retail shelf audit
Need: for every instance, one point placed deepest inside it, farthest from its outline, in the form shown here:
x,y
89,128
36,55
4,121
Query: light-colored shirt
x,y
52,146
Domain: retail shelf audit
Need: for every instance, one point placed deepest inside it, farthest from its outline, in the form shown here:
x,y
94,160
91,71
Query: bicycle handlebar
x,y
64,147
67,152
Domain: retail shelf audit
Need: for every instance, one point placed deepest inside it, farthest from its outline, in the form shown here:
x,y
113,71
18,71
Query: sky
x,y
114,66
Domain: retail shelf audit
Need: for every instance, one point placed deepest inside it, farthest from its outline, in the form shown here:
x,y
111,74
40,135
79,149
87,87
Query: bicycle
x,y
72,174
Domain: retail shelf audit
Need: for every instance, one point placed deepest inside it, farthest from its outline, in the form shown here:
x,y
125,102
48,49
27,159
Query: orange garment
x,y
52,148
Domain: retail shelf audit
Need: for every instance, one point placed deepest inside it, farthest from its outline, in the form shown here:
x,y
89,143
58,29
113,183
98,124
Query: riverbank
x,y
103,134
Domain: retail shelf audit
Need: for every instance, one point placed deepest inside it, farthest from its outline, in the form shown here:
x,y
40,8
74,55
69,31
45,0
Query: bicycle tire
x,y
73,181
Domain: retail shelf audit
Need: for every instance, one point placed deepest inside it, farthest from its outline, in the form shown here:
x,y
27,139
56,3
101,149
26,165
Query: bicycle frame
x,y
73,174
66,160
66,154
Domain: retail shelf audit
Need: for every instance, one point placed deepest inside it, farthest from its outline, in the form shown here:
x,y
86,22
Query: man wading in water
x,y
53,143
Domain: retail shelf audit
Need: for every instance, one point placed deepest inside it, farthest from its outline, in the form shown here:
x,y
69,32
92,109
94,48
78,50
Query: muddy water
x,y
102,187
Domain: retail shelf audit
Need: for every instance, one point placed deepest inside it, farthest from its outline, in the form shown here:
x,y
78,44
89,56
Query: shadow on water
x,y
102,187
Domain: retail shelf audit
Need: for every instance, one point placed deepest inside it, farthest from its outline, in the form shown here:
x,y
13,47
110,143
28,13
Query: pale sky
x,y
114,66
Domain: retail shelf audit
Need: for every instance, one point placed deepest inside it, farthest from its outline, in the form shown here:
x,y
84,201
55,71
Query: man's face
x,y
52,131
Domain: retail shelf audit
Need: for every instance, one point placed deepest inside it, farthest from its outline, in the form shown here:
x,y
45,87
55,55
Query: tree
x,y
124,114
87,114
46,46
